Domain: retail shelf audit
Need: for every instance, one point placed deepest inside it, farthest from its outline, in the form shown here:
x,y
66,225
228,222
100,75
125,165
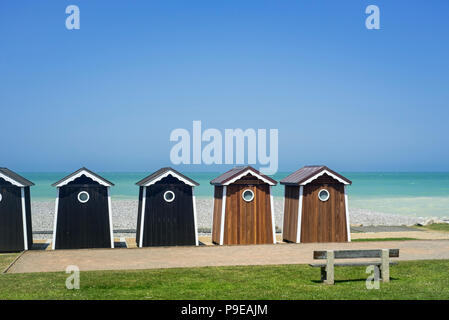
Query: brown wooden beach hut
x,y
15,212
316,206
243,208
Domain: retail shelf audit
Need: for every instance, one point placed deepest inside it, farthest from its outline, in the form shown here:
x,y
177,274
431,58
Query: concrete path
x,y
174,257
418,234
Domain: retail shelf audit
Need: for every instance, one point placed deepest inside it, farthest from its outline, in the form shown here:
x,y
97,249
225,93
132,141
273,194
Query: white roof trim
x,y
79,174
253,174
14,182
169,172
320,174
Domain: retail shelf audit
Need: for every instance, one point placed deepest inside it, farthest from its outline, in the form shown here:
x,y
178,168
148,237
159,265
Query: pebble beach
x,y
124,216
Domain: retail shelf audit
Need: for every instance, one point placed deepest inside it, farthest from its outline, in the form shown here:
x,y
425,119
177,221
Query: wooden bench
x,y
327,269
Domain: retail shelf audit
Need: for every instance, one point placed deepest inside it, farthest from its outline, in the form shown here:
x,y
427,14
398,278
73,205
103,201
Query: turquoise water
x,y
417,194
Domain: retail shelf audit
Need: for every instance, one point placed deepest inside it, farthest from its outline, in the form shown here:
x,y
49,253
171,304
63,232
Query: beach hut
x,y
83,216
15,212
243,208
167,210
316,206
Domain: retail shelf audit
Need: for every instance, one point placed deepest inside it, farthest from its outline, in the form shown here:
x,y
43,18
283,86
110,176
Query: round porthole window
x,y
169,196
248,195
83,197
323,195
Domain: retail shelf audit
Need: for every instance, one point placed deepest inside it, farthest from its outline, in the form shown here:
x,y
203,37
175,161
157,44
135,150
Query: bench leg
x,y
385,268
330,268
323,274
377,273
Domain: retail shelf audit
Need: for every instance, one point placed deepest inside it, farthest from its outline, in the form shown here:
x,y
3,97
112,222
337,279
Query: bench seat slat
x,y
353,254
351,264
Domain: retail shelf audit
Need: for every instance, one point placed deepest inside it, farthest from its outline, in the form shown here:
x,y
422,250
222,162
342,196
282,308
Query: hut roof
x,y
14,178
164,172
238,172
78,173
307,174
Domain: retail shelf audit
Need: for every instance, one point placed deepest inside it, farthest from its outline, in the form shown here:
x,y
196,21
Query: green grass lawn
x,y
437,227
6,259
410,280
382,239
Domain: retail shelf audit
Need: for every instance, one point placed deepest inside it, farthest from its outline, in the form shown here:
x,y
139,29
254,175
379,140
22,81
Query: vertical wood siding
x,y
323,221
169,223
218,203
11,227
291,206
83,225
248,222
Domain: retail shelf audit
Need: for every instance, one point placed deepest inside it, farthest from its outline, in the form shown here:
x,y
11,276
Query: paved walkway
x,y
368,232
418,234
173,257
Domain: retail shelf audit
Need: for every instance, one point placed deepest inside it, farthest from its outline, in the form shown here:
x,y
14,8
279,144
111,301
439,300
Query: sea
x,y
404,193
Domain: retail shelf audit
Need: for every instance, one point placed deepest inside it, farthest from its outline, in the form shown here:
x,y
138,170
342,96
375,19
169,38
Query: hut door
x,y
83,224
323,221
11,227
169,216
248,217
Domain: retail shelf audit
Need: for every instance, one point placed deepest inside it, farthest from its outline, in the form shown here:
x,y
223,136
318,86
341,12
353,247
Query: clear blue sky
x,y
108,95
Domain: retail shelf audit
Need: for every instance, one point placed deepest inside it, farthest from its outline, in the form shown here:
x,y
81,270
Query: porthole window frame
x,y
252,193
83,192
328,195
169,192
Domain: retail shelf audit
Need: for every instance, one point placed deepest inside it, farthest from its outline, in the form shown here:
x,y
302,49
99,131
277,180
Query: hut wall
x,y
324,221
11,227
169,223
83,225
291,206
248,222
218,203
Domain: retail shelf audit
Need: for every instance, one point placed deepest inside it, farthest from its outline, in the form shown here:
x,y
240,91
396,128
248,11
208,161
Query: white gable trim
x,y
24,219
273,223
87,174
14,182
299,225
170,172
142,216
195,217
320,174
283,210
111,228
253,174
55,220
348,226
223,215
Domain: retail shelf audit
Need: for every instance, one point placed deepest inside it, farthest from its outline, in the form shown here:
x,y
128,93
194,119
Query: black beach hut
x,y
15,212
167,210
83,216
